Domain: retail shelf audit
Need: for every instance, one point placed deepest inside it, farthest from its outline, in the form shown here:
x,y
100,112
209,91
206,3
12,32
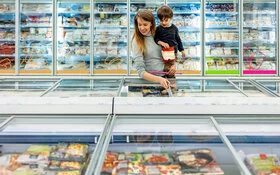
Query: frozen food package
x,y
76,152
132,157
58,152
71,165
263,164
157,158
39,149
68,173
127,167
200,161
27,158
163,169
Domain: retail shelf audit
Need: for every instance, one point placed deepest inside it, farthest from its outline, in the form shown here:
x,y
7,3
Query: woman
x,y
146,53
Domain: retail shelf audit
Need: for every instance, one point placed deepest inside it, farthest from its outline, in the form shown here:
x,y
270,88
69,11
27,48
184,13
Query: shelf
x,y
36,13
9,40
221,13
8,27
222,56
186,13
74,12
7,55
35,55
111,13
230,72
222,41
75,27
260,27
36,26
260,13
221,27
39,40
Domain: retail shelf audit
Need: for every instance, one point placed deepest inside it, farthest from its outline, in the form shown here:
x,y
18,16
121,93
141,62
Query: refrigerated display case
x,y
36,38
197,87
259,37
73,42
188,20
135,6
51,144
164,144
110,30
256,139
7,37
222,37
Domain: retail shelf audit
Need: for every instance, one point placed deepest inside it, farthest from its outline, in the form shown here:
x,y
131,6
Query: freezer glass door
x,y
160,144
259,37
256,139
7,37
73,32
207,88
110,37
187,18
182,88
24,88
49,144
135,6
273,85
36,42
250,88
86,88
222,37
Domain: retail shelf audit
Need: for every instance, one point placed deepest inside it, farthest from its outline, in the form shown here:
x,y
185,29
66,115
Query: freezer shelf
x,y
256,139
85,88
160,144
55,144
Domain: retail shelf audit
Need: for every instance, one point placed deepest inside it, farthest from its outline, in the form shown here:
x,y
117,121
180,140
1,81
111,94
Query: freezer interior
x,y
50,145
159,144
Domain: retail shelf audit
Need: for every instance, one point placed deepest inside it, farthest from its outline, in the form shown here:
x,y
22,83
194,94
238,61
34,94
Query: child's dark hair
x,y
164,12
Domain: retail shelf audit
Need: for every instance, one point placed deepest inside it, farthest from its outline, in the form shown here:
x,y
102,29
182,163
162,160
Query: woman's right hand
x,y
164,82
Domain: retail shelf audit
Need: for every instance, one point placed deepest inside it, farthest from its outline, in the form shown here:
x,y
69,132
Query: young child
x,y
167,35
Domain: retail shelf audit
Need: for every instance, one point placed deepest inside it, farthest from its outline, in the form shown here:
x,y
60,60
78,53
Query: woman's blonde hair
x,y
148,16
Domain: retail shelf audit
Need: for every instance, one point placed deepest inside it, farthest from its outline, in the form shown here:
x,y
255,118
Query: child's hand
x,y
163,44
183,54
172,70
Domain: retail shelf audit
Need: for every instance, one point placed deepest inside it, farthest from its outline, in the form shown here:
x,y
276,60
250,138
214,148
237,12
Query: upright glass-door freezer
x,y
187,18
7,37
73,41
36,42
259,37
166,145
110,31
135,6
221,37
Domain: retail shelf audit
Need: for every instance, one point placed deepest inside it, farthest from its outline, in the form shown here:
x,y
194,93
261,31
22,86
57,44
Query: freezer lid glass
x,y
54,125
86,88
250,126
167,143
35,87
256,139
182,88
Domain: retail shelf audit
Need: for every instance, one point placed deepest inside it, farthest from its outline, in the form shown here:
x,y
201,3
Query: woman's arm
x,y
157,79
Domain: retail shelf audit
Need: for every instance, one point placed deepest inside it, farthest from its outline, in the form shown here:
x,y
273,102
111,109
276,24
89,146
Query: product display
x,y
38,160
7,37
259,46
36,52
222,38
187,162
110,37
73,38
187,19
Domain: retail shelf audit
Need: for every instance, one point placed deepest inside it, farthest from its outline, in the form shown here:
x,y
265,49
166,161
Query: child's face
x,y
165,22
